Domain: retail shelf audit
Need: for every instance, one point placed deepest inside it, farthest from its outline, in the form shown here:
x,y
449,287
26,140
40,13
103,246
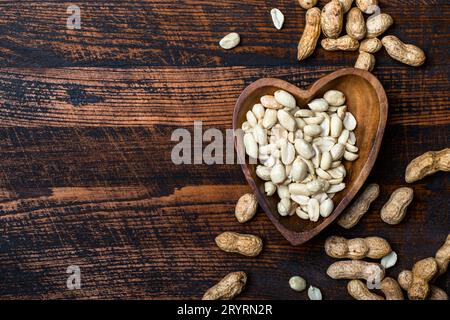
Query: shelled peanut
x,y
301,150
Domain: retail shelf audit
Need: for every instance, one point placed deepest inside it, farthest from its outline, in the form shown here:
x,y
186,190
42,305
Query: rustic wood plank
x,y
84,97
156,32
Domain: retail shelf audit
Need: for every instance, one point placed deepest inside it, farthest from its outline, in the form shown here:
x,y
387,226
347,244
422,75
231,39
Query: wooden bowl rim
x,y
297,238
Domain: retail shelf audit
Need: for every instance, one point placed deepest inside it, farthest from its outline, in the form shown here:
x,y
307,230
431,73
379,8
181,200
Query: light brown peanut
x,y
367,6
427,164
391,289
346,5
356,269
372,45
406,53
423,272
359,207
311,34
332,19
378,24
246,207
357,248
356,25
344,43
443,256
365,61
227,288
245,244
358,290
307,4
394,210
405,278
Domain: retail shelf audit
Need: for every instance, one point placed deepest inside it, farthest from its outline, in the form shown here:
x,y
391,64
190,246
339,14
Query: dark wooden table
x,y
86,118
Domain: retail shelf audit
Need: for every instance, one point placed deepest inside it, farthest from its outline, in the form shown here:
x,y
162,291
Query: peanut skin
x,y
307,4
427,164
443,256
378,24
423,272
356,26
391,289
332,19
358,290
371,45
357,248
365,61
344,43
227,288
405,278
311,34
356,269
394,210
245,244
246,207
405,53
359,207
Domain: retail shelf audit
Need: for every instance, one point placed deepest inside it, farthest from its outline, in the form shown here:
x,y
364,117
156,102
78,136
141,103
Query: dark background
x,y
86,118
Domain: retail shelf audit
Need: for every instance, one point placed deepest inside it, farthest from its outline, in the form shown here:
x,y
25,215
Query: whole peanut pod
x,y
356,269
307,4
365,61
406,53
356,25
426,164
372,45
311,34
344,43
394,210
423,272
227,288
245,244
246,207
359,207
332,19
357,248
378,24
367,6
405,279
358,290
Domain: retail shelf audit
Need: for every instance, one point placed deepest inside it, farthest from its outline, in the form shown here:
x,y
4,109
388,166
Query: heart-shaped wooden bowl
x,y
366,100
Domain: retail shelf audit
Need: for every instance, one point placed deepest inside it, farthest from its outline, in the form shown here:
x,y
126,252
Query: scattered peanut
x,y
423,272
246,207
356,25
332,19
277,18
311,34
406,53
307,4
367,6
391,289
372,45
427,164
389,260
357,248
230,41
366,61
358,290
356,269
443,256
297,283
227,288
405,279
314,293
359,207
245,244
378,24
344,43
394,210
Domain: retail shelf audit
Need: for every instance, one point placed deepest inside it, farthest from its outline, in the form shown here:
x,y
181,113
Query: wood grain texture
x,y
86,118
